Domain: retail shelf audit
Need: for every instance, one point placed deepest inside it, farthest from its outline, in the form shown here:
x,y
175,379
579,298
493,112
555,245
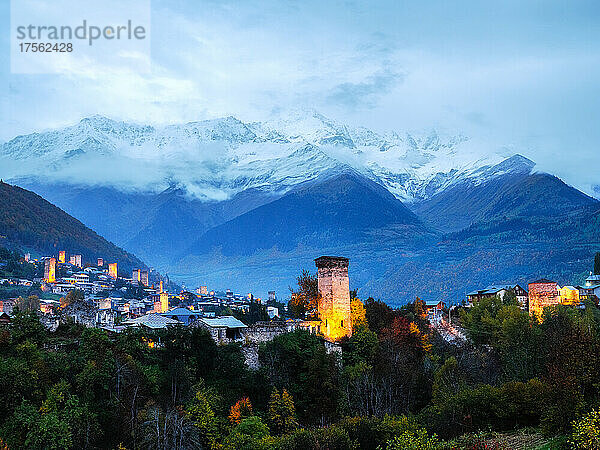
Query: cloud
x,y
508,73
365,93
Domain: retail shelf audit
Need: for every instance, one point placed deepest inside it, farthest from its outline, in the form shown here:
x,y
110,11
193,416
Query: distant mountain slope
x,y
342,209
517,193
29,221
154,226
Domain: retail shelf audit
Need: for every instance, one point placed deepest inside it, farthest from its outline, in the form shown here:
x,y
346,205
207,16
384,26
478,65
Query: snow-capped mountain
x,y
216,159
247,204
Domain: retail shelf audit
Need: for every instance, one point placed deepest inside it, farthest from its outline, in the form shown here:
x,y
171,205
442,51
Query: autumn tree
x,y
240,411
72,297
358,313
586,431
305,298
282,412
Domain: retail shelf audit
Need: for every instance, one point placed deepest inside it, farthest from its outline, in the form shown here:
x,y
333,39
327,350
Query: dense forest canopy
x,y
396,384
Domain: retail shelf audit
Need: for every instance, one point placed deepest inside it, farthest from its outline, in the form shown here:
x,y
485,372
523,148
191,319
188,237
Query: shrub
x,y
330,438
249,434
413,440
586,431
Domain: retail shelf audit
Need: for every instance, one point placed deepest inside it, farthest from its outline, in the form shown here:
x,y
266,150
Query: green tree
x,y
249,434
510,298
300,362
282,412
62,422
597,264
26,326
379,315
30,303
200,410
360,347
480,320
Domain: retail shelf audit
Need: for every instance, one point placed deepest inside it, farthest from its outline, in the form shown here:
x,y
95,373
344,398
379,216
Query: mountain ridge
x,y
217,158
29,221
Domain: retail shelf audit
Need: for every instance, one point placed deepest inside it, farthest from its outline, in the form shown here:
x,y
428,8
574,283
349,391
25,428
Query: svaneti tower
x,y
334,297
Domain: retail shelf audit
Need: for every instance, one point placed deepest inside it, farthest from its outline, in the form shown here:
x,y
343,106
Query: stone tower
x,y
334,297
50,271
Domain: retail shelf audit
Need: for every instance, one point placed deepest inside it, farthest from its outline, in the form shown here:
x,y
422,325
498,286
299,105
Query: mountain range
x,y
247,205
29,222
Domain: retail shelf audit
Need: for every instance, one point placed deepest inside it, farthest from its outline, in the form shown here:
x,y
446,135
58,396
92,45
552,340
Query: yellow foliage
x,y
358,312
423,337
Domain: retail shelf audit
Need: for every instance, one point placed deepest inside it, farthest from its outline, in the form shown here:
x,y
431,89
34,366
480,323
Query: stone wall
x,y
264,332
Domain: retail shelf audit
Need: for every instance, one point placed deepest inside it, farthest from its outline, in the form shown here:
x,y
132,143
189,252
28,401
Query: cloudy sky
x,y
518,73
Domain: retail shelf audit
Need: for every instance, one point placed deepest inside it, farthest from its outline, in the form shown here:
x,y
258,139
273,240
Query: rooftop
x,y
224,321
152,320
543,281
432,302
326,261
491,289
181,312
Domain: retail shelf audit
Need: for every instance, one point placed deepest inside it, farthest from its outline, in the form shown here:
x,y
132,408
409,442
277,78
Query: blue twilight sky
x,y
519,73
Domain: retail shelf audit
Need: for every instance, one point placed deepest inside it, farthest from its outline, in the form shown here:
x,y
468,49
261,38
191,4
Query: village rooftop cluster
x,y
107,305
114,302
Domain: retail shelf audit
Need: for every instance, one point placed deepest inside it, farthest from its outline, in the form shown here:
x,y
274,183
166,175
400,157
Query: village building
x,y
223,329
435,310
105,317
272,312
144,278
50,270
7,305
569,295
112,270
500,291
49,307
184,315
590,291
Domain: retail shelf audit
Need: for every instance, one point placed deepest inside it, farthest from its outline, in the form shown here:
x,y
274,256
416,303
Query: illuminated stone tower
x,y
542,293
334,297
164,301
112,270
50,271
62,257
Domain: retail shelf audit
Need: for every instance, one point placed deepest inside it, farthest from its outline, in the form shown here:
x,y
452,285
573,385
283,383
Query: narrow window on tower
x,y
342,324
